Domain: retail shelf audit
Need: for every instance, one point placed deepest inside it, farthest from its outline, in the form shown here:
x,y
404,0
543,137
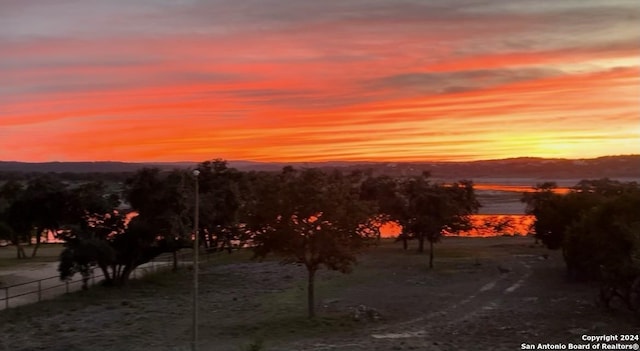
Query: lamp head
x,y
196,172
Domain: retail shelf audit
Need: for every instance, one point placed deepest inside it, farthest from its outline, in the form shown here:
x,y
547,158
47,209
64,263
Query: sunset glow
x,y
281,80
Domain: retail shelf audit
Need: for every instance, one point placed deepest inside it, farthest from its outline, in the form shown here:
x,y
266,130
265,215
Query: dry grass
x,y
248,305
46,253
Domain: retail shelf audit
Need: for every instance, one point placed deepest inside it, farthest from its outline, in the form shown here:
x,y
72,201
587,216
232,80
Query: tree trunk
x,y
125,274
20,251
229,246
175,261
105,272
202,239
35,249
405,243
430,254
420,243
208,239
310,293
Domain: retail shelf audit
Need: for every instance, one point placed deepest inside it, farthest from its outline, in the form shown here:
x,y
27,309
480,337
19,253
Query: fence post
x,y
6,298
66,283
39,290
93,278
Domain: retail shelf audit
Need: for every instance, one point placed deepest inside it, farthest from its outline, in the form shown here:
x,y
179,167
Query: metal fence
x,y
48,288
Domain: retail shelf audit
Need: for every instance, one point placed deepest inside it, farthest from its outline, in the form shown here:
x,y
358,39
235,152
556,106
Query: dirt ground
x,y
483,294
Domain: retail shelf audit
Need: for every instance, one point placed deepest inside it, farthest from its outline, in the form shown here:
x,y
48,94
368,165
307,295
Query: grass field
x,y
464,303
46,253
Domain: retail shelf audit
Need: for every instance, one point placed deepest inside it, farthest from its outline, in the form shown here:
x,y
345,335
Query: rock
x,y
503,270
364,313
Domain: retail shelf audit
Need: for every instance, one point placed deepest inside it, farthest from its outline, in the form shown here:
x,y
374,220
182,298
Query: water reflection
x,y
484,226
515,188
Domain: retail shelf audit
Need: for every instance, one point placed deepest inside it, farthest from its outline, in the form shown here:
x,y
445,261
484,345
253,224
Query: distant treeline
x,y
67,176
625,166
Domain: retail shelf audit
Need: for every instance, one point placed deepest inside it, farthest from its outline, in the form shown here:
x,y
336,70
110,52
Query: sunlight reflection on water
x,y
484,226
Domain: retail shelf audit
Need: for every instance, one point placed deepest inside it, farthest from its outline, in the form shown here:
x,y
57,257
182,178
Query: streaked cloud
x,y
171,80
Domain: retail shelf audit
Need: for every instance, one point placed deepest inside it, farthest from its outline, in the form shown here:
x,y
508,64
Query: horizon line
x,y
331,161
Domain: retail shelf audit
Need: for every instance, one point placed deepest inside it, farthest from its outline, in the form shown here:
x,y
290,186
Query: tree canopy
x,y
425,209
597,226
46,205
315,219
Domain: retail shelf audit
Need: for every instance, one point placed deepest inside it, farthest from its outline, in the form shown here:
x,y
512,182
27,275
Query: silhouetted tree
x,y
163,204
316,219
113,247
383,192
434,209
424,209
553,212
597,225
221,192
13,216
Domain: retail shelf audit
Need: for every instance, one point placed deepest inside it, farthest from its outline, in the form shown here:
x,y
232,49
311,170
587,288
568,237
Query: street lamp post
x,y
196,246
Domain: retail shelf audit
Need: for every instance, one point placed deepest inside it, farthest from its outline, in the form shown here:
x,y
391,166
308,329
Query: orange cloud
x,y
384,82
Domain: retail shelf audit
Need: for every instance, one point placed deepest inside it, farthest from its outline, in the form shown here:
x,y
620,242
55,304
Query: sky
x,y
294,80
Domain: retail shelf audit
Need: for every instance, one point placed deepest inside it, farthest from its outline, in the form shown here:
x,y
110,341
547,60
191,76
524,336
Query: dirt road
x,y
501,303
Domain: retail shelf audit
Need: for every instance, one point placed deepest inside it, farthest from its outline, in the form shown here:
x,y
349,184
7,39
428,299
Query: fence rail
x,y
48,288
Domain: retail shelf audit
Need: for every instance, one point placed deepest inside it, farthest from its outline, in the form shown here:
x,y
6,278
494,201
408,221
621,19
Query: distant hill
x,y
526,167
627,166
83,167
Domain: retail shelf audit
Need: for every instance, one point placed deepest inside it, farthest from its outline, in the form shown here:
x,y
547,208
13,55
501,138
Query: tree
x,y
82,254
555,212
33,211
597,226
87,200
47,200
221,192
7,233
427,210
606,235
438,208
382,191
113,247
163,204
161,226
46,205
257,211
14,223
317,220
